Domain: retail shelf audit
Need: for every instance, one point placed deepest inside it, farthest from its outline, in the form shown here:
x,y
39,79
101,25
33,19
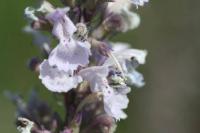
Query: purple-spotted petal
x,y
68,57
114,101
56,80
127,54
114,105
96,76
92,72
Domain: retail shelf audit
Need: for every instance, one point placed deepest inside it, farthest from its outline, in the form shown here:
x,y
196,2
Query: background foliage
x,y
170,101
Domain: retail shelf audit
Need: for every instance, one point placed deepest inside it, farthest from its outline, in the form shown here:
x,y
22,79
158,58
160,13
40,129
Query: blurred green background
x,y
170,101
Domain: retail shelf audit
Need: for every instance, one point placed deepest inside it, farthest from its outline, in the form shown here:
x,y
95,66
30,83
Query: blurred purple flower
x,y
40,40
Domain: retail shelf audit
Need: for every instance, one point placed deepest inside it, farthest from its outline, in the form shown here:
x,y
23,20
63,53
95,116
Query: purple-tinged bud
x,y
90,99
33,64
104,120
103,48
41,24
113,22
78,118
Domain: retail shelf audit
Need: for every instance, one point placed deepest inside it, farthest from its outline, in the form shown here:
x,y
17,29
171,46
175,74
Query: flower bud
x,y
104,120
122,22
90,99
41,24
33,64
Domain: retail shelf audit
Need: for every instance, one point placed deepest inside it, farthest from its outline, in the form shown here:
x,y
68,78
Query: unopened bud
x,y
90,99
41,24
34,63
104,120
113,22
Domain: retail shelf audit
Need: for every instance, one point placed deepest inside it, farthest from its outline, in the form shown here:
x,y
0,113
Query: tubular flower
x,y
114,101
129,59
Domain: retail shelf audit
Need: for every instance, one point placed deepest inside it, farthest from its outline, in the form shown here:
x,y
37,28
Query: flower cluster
x,y
94,74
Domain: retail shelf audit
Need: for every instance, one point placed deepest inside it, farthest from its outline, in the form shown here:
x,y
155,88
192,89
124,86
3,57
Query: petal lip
x,y
55,80
122,52
70,56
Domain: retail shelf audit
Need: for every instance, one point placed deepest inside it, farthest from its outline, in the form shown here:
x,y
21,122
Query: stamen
x,y
117,64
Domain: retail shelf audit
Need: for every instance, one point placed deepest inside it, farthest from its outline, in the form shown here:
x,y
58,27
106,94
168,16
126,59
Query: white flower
x,y
70,53
118,5
139,2
96,76
114,101
69,56
56,80
57,73
122,52
114,105
121,17
123,89
132,20
119,46
128,59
